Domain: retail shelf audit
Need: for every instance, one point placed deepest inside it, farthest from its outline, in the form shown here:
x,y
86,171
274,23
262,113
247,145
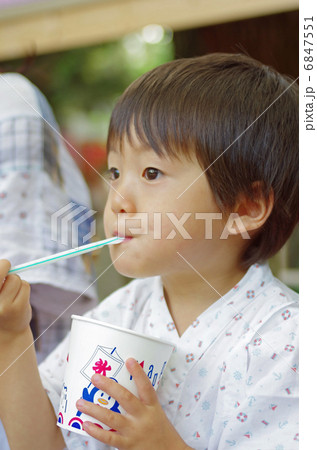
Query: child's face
x,y
143,206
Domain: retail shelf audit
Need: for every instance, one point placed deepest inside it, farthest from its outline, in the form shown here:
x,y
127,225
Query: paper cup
x,y
97,347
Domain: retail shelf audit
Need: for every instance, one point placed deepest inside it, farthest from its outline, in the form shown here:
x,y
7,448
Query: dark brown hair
x,y
238,117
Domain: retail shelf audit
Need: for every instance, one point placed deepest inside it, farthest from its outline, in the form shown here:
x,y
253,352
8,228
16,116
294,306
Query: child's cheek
x,y
106,216
161,226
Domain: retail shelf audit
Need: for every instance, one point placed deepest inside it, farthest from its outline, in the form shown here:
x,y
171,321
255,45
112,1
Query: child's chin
x,y
132,271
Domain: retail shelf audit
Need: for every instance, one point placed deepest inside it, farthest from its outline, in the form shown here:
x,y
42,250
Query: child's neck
x,y
188,295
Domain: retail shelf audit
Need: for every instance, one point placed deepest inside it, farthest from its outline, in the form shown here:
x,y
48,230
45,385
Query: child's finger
x,y
144,386
15,311
4,269
112,419
125,398
11,287
22,297
107,437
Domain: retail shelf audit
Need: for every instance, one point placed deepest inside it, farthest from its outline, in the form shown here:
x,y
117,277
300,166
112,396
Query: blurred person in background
x,y
39,178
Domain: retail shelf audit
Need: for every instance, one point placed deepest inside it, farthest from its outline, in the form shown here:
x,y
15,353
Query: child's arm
x,y
144,427
25,409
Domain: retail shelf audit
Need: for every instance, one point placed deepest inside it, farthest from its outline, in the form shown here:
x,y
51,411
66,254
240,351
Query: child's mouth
x,y
126,238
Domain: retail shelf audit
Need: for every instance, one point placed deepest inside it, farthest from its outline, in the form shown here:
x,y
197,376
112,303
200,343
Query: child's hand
x,y
15,308
144,427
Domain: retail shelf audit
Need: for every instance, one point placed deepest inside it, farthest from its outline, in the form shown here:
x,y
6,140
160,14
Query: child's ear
x,y
252,213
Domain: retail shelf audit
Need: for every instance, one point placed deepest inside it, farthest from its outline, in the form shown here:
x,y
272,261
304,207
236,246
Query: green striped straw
x,y
67,254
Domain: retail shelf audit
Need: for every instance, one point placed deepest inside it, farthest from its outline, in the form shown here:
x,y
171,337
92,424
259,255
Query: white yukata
x,y
232,381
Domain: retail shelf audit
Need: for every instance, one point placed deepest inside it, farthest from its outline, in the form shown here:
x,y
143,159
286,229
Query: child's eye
x,y
150,173
113,173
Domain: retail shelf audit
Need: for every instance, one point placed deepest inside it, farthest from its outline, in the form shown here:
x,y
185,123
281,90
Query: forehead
x,y
131,144
119,143
136,152
138,145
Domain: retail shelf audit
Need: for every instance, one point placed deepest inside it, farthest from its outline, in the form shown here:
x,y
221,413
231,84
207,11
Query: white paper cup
x,y
97,347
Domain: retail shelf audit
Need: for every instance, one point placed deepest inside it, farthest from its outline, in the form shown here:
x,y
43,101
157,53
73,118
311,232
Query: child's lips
x,y
126,238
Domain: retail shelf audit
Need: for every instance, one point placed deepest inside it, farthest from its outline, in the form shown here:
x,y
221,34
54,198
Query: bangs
x,y
159,114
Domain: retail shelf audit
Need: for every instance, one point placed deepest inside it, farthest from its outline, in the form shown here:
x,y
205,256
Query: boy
x,y
206,148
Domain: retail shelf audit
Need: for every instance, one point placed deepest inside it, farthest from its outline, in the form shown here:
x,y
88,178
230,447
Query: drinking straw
x,y
66,254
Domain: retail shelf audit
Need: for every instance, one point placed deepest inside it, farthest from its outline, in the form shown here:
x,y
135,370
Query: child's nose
x,y
122,201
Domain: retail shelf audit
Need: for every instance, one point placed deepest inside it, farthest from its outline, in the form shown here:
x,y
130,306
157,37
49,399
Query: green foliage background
x,y
83,84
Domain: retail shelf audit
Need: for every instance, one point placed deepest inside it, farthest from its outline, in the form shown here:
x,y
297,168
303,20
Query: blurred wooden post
x,y
52,26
